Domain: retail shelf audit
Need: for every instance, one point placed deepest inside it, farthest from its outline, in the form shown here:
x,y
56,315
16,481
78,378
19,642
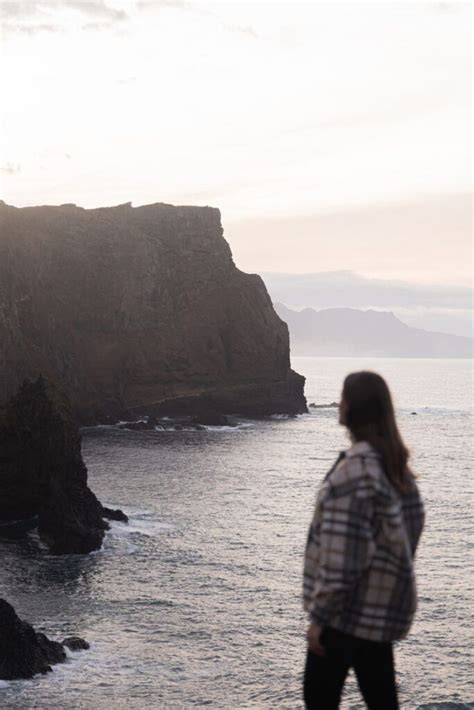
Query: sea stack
x,y
137,311
43,479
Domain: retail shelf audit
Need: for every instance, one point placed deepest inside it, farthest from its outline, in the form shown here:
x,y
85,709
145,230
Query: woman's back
x,y
359,582
358,573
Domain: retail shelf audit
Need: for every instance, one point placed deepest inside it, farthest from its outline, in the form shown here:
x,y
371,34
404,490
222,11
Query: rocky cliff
x,y
135,310
43,479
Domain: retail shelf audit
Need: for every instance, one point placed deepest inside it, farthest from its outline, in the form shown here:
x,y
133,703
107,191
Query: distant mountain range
x,y
434,307
352,332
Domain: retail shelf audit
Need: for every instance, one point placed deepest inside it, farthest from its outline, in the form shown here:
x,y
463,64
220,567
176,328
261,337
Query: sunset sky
x,y
330,135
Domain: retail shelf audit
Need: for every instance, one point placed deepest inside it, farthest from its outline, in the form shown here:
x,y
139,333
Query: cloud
x,y
155,5
12,8
95,8
95,26
246,30
45,15
158,4
127,80
344,288
33,28
10,168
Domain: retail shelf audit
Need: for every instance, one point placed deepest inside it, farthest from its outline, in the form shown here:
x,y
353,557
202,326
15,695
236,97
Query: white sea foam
x,y
142,527
121,426
205,427
226,427
141,523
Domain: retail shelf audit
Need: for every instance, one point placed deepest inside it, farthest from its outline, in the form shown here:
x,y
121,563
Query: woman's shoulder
x,y
359,464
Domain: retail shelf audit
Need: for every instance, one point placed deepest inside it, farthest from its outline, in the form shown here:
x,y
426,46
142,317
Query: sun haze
x,y
330,135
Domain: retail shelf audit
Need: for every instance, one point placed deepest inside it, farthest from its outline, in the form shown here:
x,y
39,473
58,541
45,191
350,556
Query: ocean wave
x,y
228,427
446,706
125,537
175,426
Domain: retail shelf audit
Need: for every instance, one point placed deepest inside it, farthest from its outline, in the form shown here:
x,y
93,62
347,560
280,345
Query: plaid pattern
x,y
358,570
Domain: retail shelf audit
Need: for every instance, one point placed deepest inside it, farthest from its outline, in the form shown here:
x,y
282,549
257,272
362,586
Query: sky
x,y
332,136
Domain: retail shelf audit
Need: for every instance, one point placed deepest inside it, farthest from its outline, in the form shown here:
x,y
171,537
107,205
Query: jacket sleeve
x,y
413,517
345,542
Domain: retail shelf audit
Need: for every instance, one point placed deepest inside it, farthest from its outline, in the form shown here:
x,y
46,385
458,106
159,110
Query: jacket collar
x,y
361,448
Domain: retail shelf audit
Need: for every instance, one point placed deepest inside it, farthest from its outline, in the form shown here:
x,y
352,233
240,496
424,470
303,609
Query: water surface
x,y
197,602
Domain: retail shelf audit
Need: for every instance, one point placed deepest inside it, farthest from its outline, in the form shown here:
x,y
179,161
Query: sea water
x,y
197,602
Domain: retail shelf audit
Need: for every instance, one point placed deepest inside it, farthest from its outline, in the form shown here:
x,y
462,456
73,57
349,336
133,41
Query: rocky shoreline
x,y
25,652
136,317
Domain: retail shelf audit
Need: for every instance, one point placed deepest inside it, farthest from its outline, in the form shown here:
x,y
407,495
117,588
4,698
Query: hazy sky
x,y
330,135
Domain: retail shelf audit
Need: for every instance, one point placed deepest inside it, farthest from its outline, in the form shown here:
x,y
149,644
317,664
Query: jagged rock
x,y
135,310
42,472
211,419
111,514
17,528
23,651
137,426
74,643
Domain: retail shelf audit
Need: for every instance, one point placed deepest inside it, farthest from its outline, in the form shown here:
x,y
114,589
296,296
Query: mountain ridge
x,y
356,332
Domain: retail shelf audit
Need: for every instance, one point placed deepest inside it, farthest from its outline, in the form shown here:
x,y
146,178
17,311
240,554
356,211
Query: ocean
x,y
197,602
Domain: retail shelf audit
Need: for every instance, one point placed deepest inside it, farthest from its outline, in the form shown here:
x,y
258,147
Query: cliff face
x,y
128,309
42,474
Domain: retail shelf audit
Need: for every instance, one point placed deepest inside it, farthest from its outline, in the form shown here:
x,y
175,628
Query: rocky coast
x,y
24,652
139,311
43,479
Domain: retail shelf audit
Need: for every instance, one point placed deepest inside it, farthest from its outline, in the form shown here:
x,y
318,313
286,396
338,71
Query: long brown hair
x,y
370,417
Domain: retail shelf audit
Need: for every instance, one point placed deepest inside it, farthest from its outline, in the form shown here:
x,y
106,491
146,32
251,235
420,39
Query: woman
x,y
359,585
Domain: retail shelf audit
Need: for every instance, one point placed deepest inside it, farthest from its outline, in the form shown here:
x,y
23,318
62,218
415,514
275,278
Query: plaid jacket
x,y
358,570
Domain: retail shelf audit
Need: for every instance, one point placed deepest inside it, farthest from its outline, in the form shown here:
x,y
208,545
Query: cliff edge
x,y
138,310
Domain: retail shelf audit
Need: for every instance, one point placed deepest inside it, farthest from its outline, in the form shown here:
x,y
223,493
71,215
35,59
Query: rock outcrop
x,y
42,475
25,652
138,310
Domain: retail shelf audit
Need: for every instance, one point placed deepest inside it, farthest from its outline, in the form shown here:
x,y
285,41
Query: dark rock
x,y
18,528
136,310
74,643
42,472
211,419
415,413
111,514
137,426
249,400
23,651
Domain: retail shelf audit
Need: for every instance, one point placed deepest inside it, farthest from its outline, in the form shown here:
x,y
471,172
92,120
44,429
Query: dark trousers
x,y
372,662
